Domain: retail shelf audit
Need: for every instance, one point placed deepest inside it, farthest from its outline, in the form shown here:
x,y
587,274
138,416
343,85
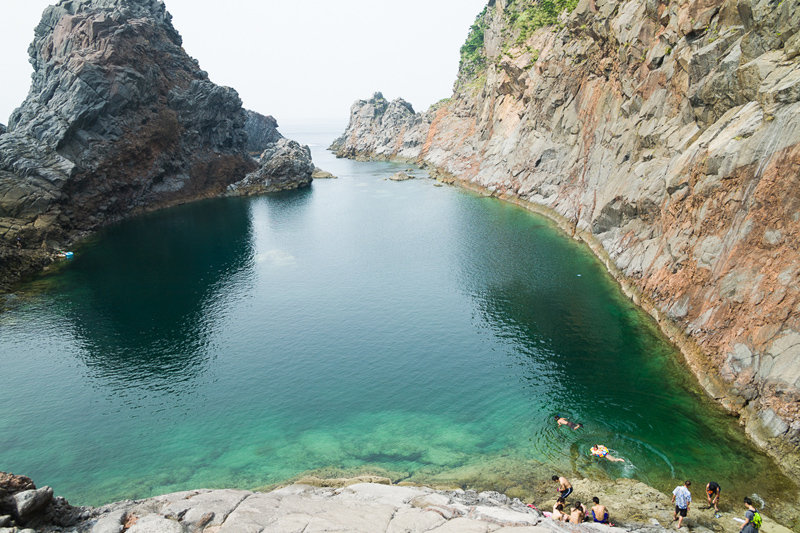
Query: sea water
x,y
358,326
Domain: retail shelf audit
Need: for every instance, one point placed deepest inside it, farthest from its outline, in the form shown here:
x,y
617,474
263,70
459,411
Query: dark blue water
x,y
362,325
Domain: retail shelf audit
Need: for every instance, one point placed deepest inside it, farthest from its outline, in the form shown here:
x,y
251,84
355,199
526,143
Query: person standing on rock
x,y
752,518
712,493
564,486
681,497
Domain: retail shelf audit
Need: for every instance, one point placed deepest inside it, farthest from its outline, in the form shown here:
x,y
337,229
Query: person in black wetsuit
x,y
712,493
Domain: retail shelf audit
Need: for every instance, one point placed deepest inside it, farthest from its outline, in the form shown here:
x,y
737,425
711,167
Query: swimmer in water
x,y
598,450
564,422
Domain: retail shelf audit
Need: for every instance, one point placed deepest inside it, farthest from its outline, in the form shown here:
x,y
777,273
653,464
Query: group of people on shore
x,y
681,497
578,514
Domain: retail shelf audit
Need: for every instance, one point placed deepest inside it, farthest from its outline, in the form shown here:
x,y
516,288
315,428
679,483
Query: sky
x,y
300,61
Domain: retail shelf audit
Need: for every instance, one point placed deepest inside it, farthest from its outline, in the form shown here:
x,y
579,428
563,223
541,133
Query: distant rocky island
x,y
120,120
664,134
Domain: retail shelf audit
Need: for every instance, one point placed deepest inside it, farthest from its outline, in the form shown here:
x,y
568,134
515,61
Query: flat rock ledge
x,y
362,507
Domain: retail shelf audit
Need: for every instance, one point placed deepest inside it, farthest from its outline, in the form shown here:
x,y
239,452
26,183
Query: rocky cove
x,y
661,134
120,120
665,136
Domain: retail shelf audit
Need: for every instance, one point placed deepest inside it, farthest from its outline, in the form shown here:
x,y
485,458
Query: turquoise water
x,y
362,325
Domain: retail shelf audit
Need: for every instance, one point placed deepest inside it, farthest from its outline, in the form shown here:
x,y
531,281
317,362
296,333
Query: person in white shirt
x,y
681,497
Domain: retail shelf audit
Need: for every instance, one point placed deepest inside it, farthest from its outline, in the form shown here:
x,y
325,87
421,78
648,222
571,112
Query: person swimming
x,y
564,422
598,450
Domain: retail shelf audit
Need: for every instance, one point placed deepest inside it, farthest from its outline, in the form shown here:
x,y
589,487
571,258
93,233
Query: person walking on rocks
x,y
564,486
712,493
681,497
752,522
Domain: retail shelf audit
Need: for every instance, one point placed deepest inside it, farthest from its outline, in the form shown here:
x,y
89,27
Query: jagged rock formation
x,y
283,165
2,129
119,119
664,133
261,131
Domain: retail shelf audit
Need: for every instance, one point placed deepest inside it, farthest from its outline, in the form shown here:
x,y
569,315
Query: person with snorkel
x,y
598,450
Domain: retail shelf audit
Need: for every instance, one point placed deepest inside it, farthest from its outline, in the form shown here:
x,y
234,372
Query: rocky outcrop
x,y
261,132
2,129
284,165
666,135
118,120
21,503
366,507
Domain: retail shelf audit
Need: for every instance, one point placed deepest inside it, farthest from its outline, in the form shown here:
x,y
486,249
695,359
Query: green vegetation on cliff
x,y
473,55
526,17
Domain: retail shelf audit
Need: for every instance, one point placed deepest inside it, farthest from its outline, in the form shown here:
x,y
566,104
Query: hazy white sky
x,y
297,60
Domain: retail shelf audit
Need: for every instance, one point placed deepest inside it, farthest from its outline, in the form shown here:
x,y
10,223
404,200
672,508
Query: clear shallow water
x,y
363,325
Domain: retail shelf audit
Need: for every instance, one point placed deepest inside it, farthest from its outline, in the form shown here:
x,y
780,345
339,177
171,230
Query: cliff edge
x,y
119,119
664,133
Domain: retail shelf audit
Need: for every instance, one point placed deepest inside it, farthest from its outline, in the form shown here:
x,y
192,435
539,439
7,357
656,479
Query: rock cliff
x,y
119,119
261,132
664,133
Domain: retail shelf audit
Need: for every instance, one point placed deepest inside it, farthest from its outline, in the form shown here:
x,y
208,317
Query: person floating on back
x,y
712,492
752,522
681,497
599,512
598,450
564,486
564,422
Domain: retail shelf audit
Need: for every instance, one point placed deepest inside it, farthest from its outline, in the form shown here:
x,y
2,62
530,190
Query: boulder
x,y
400,176
29,502
283,165
320,174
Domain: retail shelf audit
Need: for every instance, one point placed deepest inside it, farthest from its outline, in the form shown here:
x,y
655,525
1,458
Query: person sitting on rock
x,y
599,512
578,513
561,421
559,514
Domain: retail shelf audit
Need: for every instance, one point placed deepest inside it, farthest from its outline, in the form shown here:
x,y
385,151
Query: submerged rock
x,y
320,174
400,176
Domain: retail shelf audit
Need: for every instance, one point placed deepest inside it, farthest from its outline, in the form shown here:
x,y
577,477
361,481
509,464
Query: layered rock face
x,y
666,134
261,131
119,119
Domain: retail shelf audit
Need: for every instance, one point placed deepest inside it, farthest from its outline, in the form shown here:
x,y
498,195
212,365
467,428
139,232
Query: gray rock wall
x,y
666,135
261,132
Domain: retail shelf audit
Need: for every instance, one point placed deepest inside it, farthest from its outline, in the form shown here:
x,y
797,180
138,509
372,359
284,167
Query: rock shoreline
x,y
365,504
665,134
